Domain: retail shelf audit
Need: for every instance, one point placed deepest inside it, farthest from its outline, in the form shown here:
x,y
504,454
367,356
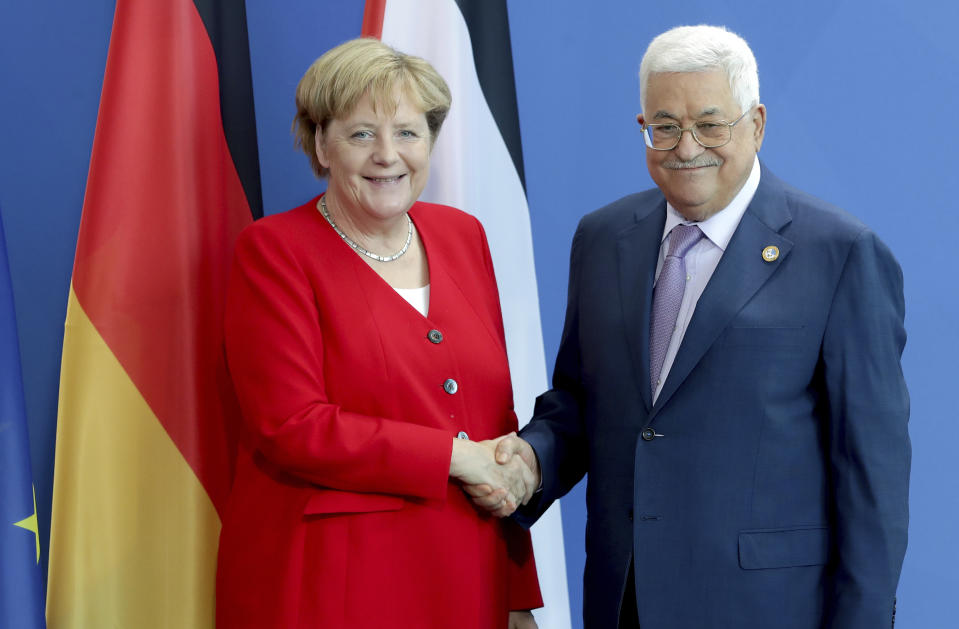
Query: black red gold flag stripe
x,y
144,446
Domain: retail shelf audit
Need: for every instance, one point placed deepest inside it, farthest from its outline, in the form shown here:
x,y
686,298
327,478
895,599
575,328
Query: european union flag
x,y
21,589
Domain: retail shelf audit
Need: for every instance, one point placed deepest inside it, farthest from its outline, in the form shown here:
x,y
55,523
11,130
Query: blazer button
x,y
450,386
648,434
435,336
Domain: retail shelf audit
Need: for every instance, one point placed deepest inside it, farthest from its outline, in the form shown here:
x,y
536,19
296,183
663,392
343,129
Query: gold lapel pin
x,y
770,253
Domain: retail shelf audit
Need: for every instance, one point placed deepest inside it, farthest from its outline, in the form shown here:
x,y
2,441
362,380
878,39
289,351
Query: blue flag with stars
x,y
21,589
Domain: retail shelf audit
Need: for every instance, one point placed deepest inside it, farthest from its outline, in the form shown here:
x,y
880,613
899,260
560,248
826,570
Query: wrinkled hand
x,y
504,486
512,452
522,620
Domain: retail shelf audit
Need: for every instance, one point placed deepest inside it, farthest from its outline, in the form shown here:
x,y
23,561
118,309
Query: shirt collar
x,y
719,227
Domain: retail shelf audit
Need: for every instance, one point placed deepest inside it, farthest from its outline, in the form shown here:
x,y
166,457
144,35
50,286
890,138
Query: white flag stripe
x,y
472,170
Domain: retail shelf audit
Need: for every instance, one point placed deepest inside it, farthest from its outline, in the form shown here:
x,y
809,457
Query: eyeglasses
x,y
709,134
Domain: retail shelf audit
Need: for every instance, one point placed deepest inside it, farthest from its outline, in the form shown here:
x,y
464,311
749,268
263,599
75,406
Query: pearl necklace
x,y
359,249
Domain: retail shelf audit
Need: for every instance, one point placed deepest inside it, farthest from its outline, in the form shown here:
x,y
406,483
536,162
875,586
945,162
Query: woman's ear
x,y
319,145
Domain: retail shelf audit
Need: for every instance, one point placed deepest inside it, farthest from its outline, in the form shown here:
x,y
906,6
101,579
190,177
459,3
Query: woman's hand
x,y
474,464
522,620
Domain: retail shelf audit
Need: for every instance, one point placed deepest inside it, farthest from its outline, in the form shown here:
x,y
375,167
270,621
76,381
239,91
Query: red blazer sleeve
x,y
274,349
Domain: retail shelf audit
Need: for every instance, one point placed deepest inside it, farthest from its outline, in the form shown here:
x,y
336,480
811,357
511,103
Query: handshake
x,y
499,474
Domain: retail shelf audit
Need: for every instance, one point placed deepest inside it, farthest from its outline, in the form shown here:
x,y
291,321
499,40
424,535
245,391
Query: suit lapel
x,y
740,274
637,251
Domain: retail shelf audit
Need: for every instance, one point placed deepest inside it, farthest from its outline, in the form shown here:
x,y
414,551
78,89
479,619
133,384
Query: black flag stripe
x,y
488,25
226,27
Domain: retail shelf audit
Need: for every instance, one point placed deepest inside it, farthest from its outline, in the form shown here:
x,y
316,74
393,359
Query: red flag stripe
x,y
373,18
162,209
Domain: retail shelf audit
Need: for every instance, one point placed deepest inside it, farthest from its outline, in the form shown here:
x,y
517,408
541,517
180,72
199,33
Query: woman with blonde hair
x,y
366,345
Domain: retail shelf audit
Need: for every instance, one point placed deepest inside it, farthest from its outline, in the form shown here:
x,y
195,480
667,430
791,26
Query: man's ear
x,y
759,125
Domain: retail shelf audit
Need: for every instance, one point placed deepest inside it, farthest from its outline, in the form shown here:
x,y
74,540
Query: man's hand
x,y
502,486
510,446
522,620
516,455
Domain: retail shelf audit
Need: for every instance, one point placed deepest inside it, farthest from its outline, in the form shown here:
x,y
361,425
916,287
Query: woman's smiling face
x,y
378,161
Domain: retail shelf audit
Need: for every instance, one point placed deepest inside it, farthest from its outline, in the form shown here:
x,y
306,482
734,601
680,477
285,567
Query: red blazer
x,y
342,513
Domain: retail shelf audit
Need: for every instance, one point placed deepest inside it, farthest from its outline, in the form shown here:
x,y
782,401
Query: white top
x,y
702,259
419,298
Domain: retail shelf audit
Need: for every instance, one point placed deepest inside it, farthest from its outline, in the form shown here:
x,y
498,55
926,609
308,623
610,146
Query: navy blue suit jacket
x,y
767,487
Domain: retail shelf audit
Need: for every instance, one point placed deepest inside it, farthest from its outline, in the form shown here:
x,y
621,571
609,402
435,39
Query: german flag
x,y
144,445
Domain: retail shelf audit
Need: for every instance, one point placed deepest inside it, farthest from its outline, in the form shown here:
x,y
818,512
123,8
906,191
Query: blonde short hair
x,y
336,82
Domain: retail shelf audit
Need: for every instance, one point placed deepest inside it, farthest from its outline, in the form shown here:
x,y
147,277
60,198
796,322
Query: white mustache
x,y
700,162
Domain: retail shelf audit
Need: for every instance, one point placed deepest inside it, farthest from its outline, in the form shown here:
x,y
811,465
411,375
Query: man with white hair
x,y
729,377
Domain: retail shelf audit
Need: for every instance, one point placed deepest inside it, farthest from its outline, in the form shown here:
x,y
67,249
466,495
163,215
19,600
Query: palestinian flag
x,y
477,166
143,456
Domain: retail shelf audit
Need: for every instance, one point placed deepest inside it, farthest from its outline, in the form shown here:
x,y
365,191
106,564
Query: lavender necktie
x,y
668,297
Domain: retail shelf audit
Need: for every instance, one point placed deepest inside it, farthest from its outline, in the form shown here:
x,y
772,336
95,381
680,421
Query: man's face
x,y
698,181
